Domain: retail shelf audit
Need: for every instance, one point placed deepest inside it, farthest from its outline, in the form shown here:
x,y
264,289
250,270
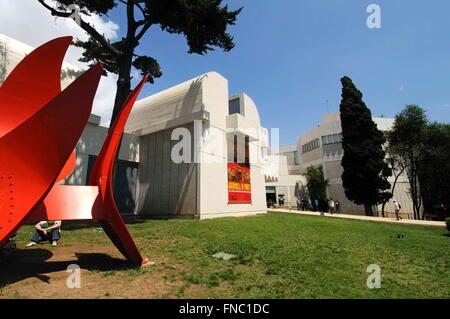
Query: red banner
x,y
239,189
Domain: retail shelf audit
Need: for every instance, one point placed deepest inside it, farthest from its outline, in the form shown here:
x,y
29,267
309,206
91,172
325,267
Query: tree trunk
x,y
368,209
123,84
392,189
382,208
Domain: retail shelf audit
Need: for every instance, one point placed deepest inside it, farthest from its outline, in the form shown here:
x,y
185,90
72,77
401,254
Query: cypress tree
x,y
365,171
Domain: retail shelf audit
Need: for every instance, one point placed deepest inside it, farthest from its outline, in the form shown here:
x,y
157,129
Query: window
x,y
332,139
296,161
247,151
234,106
238,150
308,147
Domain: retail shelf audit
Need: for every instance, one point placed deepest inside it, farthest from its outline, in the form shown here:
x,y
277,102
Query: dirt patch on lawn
x,y
41,272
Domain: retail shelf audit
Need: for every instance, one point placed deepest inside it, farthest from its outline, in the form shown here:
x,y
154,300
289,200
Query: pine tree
x,y
203,23
365,170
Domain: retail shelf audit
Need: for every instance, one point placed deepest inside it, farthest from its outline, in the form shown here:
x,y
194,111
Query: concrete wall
x,y
201,105
179,105
213,175
279,176
288,151
166,189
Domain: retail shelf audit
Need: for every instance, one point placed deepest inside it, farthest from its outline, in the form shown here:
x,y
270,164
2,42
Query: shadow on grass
x,y
70,225
31,263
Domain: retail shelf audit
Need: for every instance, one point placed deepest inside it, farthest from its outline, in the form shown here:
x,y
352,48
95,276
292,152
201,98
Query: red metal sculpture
x,y
39,129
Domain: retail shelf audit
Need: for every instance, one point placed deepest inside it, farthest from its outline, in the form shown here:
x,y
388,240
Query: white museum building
x,y
194,151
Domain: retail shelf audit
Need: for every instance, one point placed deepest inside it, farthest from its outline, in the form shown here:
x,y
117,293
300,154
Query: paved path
x,y
367,218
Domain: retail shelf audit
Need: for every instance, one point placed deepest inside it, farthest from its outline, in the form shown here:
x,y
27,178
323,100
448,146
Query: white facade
x,y
163,188
198,188
280,180
322,146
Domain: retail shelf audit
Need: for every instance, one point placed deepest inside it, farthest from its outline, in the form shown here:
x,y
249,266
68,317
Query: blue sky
x,y
291,54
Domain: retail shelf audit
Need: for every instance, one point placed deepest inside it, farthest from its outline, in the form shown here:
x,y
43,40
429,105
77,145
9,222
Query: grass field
x,y
278,256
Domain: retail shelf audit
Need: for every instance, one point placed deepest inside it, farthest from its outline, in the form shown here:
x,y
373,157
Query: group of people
x,y
334,206
302,204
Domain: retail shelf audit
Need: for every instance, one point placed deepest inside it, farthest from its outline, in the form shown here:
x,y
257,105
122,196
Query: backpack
x,y
399,206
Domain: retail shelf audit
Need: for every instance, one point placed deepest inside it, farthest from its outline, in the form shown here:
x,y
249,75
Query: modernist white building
x,y
187,138
283,176
322,146
192,151
216,141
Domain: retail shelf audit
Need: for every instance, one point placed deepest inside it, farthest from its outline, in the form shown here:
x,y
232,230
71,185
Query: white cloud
x,y
29,22
401,88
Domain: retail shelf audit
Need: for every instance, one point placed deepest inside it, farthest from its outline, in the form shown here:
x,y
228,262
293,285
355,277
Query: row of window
x,y
327,139
332,139
308,147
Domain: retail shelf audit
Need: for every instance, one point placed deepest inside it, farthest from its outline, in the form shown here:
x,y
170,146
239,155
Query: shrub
x,y
447,222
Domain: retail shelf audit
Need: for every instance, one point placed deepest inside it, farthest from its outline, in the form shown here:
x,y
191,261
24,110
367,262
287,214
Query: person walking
x,y
337,206
304,204
299,204
397,208
331,205
281,201
315,204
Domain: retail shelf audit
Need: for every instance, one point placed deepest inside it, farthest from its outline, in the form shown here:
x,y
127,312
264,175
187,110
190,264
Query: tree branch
x,y
86,27
144,29
140,7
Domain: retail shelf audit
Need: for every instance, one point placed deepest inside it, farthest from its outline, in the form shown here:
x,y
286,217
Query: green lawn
x,y
286,256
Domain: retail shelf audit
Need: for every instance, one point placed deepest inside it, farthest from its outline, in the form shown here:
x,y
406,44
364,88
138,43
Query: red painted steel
x,y
102,176
67,202
39,128
34,82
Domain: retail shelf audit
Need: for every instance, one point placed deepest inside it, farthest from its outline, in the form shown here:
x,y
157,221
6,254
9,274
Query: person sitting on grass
x,y
46,230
